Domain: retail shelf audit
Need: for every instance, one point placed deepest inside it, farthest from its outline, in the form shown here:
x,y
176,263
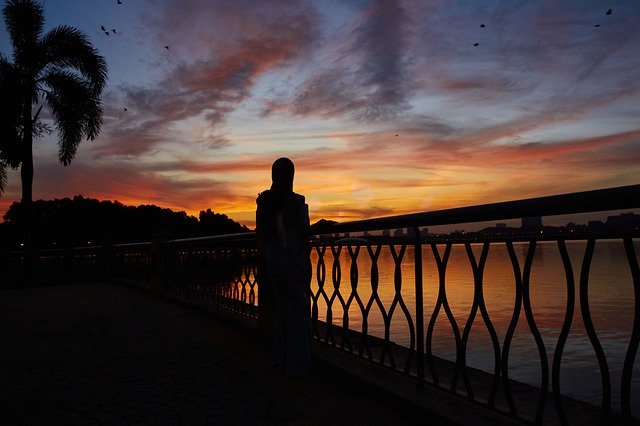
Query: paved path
x,y
106,354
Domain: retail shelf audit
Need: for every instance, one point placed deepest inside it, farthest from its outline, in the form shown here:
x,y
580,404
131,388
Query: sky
x,y
386,107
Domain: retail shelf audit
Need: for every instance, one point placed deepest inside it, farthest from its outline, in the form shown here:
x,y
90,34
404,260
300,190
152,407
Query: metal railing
x,y
219,271
348,301
416,357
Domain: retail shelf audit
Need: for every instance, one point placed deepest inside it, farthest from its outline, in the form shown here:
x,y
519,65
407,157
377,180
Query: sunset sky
x,y
385,107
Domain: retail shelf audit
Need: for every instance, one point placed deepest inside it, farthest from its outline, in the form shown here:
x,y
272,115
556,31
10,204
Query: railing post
x,y
69,261
106,255
160,257
417,253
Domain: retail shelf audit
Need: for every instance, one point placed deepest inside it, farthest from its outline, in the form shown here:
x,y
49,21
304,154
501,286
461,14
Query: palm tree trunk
x,y
26,176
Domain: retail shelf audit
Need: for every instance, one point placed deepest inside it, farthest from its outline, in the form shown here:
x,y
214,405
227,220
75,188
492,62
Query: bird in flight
x,y
103,28
114,31
476,44
483,26
609,12
166,47
119,2
125,109
596,25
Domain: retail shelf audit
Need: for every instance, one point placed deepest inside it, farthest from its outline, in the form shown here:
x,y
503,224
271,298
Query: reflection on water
x,y
610,295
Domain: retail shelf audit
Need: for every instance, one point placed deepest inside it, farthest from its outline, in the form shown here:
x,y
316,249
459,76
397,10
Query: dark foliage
x,y
82,221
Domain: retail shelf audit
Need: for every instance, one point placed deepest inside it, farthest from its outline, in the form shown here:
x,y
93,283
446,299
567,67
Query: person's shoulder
x,y
265,196
299,197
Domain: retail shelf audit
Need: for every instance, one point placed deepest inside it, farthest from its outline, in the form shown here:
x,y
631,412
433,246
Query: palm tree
x,y
60,69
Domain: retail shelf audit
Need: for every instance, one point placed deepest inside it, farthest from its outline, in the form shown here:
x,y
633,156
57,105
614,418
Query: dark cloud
x,y
231,54
381,42
368,81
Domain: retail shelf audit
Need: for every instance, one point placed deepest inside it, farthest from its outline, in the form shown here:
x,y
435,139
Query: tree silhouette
x,y
78,221
61,69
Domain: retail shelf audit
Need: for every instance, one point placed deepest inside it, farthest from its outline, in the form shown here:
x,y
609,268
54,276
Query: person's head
x,y
282,173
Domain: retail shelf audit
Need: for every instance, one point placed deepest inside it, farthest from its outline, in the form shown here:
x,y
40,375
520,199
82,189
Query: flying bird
x,y
483,26
106,32
119,2
596,25
125,109
114,31
166,47
609,12
476,44
103,28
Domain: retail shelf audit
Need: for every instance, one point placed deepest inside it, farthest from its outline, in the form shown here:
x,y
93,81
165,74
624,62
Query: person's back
x,y
282,224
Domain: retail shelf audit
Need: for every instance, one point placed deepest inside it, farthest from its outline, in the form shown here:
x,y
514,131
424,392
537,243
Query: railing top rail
x,y
624,197
86,247
243,236
140,244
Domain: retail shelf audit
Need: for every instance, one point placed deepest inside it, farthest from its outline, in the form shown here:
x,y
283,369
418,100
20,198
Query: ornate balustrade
x,y
219,271
390,300
338,291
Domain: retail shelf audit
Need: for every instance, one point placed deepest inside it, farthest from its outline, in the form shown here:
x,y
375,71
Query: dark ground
x,y
99,353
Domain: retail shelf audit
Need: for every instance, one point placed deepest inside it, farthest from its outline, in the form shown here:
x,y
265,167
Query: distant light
x,y
88,243
21,244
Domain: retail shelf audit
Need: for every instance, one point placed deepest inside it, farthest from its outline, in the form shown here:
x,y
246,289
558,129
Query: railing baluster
x,y
353,281
627,370
442,301
374,255
478,273
515,316
417,252
336,275
591,331
321,273
398,300
533,327
353,254
564,332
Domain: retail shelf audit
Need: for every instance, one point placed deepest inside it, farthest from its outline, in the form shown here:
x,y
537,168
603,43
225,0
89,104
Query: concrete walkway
x,y
102,353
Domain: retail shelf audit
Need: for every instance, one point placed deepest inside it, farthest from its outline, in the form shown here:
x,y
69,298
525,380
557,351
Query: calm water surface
x,y
611,301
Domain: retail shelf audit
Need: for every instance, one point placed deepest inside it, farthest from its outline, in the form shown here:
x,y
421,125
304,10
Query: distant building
x,y
596,226
624,221
533,222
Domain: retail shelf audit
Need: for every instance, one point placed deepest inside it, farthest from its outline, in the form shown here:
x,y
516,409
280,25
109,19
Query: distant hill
x,y
82,221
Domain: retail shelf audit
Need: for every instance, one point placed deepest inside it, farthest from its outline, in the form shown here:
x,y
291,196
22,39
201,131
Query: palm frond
x,y
25,21
67,47
3,176
76,110
10,113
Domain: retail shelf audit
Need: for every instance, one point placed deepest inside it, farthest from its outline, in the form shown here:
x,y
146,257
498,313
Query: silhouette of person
x,y
282,227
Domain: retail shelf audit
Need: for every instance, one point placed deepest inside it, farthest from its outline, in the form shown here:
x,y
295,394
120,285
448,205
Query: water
x,y
610,293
